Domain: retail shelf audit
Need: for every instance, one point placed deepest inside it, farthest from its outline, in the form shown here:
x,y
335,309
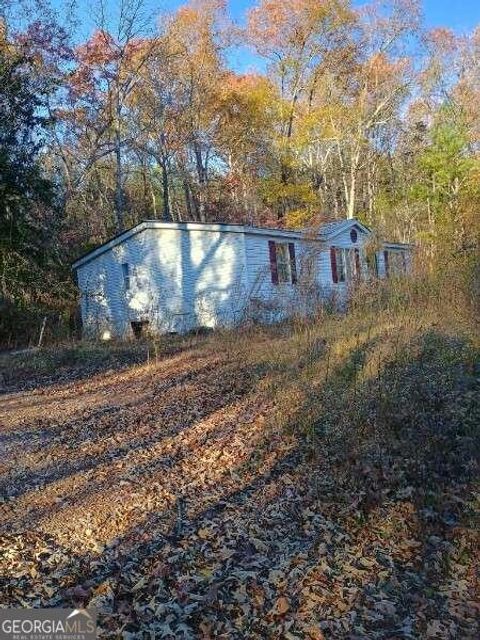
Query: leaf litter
x,y
168,497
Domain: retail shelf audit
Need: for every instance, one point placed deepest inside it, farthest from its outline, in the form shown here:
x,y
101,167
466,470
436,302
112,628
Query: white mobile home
x,y
175,277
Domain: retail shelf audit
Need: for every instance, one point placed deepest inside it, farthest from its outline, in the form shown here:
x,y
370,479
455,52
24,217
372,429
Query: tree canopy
x,y
351,112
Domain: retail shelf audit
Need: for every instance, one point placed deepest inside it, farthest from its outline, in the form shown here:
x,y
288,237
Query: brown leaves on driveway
x,y
168,497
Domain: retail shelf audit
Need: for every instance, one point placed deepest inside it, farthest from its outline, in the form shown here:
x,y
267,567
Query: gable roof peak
x,y
334,227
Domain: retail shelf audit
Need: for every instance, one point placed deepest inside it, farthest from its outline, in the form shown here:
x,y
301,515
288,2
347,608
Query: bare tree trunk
x,y
167,214
335,191
118,201
351,197
370,191
154,201
246,214
146,208
202,180
343,170
188,200
352,187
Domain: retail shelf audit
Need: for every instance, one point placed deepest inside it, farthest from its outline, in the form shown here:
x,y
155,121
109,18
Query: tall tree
x,y
26,196
297,37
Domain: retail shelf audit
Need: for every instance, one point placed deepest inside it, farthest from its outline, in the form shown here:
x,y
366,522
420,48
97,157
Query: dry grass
x,y
311,480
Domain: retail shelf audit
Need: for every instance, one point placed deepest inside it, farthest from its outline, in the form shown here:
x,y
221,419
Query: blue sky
x,y
462,16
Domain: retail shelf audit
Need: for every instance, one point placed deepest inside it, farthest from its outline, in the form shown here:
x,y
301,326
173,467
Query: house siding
x,y
339,290
101,301
393,251
270,302
186,276
181,279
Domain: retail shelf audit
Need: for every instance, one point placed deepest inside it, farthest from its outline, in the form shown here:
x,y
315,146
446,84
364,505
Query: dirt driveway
x,y
164,495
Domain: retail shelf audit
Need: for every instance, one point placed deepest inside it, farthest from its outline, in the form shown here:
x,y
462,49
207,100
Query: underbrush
x,y
29,324
387,396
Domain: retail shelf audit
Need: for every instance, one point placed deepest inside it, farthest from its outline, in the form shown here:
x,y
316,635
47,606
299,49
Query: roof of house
x,y
326,231
398,245
335,226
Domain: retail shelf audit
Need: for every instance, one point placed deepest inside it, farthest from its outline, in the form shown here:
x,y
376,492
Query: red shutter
x,y
293,262
387,268
273,261
333,261
358,269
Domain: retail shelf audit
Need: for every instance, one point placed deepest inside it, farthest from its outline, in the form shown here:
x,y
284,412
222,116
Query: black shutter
x,y
293,262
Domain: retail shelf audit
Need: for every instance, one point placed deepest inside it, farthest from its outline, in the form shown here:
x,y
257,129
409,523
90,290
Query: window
x,y
283,266
345,264
283,263
395,262
341,265
141,278
135,277
126,275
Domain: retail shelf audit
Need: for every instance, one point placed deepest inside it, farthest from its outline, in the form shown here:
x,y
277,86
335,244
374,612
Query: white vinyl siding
x,y
174,279
180,277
